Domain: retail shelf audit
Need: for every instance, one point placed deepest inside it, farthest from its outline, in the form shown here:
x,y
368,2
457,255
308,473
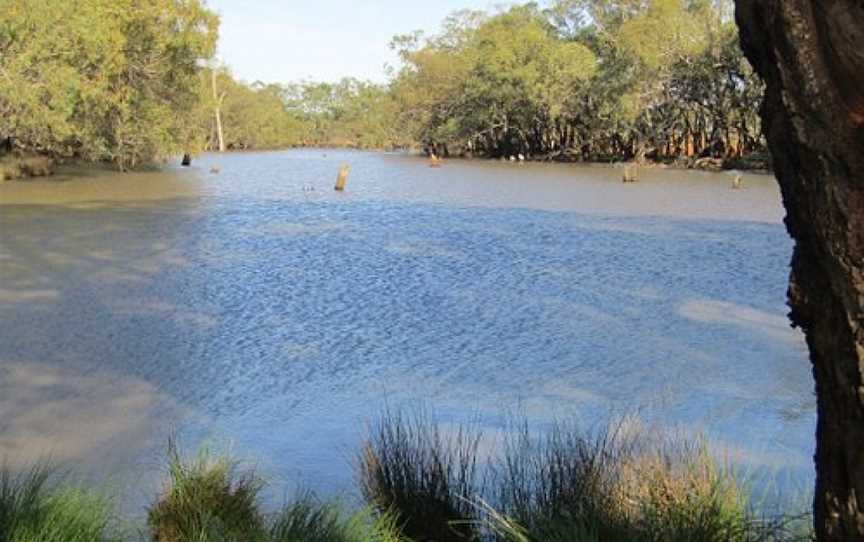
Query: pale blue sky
x,y
322,40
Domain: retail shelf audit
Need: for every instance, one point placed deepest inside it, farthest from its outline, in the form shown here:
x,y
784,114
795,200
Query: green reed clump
x,y
309,520
677,491
427,477
207,499
32,509
620,484
424,482
560,486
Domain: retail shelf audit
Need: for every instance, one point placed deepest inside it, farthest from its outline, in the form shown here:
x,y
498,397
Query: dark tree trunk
x,y
811,55
187,160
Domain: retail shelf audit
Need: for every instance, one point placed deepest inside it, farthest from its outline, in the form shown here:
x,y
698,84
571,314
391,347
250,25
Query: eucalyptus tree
x,y
254,116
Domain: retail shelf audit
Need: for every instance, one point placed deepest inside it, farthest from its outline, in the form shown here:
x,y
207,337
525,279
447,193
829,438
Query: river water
x,y
257,306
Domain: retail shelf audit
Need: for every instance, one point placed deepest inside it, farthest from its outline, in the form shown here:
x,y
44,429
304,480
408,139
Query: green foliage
x,y
564,481
348,113
583,79
207,499
111,80
307,519
33,510
124,81
664,33
623,484
253,116
485,78
428,478
423,480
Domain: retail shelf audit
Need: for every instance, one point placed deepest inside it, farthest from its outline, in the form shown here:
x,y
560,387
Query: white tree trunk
x,y
217,109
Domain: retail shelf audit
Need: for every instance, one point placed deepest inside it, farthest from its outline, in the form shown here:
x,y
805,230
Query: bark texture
x,y
810,53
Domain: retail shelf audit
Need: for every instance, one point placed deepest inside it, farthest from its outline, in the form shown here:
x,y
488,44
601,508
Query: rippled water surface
x,y
259,306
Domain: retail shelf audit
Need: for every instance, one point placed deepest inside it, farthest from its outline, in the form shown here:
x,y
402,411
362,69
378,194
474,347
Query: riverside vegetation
x,y
422,481
130,83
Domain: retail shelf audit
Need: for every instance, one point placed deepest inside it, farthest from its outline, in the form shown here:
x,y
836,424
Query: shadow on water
x,y
284,324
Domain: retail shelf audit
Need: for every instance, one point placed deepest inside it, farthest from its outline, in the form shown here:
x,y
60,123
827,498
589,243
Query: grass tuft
x,y
34,510
428,483
309,520
207,499
619,484
409,465
561,486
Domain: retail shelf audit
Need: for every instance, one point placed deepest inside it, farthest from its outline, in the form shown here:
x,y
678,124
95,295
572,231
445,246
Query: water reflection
x,y
747,318
66,414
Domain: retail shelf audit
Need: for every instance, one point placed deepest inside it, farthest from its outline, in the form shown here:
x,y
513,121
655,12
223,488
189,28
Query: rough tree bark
x,y
811,55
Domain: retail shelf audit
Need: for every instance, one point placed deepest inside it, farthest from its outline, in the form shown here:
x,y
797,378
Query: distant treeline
x,y
583,80
131,82
349,113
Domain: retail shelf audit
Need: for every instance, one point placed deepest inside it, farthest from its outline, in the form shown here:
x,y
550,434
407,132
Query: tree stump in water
x,y
737,182
810,53
187,160
342,178
631,173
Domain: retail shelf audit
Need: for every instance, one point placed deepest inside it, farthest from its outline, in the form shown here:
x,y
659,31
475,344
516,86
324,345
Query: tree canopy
x,y
130,82
112,80
588,80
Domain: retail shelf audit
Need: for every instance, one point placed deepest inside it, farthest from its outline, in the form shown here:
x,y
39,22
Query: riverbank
x,y
752,163
16,167
31,166
759,163
756,163
421,480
